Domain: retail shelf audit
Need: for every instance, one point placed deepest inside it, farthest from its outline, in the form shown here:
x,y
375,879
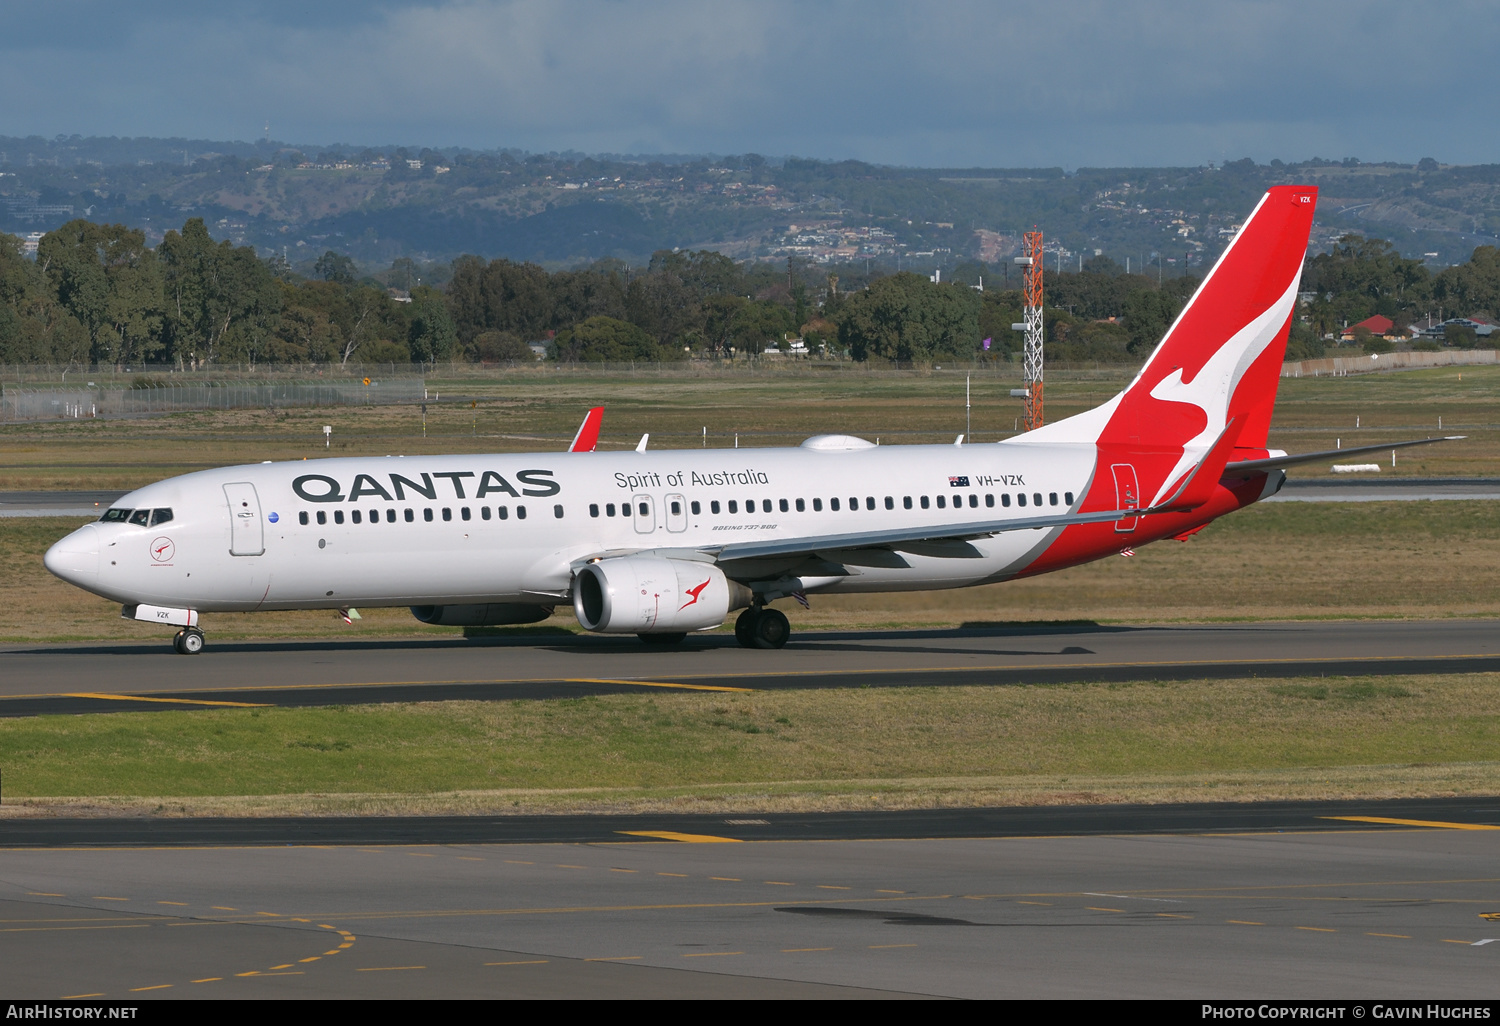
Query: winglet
x,y
588,431
642,446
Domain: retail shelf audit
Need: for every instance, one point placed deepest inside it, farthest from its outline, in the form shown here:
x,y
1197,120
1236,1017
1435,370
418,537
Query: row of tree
x,y
683,301
99,294
1361,277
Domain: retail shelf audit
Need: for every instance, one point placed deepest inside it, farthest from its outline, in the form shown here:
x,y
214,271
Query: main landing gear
x,y
189,641
762,627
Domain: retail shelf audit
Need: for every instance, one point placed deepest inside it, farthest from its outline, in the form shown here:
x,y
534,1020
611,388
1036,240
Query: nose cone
x,y
76,558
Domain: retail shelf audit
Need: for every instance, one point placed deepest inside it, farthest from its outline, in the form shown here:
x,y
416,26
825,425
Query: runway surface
x,y
149,676
56,504
1374,488
1319,909
884,824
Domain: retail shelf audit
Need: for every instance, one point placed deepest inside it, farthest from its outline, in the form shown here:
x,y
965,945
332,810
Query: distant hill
x,y
380,204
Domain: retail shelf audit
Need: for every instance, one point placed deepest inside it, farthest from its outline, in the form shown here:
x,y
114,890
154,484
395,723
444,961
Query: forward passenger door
x,y
246,533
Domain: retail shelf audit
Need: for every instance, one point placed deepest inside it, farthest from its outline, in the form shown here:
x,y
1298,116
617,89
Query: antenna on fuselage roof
x,y
641,445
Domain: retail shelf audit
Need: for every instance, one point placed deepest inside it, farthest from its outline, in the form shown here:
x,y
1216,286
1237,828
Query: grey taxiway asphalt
x,y
1344,900
146,676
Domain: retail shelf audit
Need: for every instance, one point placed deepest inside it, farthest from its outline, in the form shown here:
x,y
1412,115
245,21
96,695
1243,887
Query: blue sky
x,y
955,83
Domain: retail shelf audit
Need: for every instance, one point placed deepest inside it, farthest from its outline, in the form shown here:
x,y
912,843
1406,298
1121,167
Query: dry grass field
x,y
856,748
539,410
816,750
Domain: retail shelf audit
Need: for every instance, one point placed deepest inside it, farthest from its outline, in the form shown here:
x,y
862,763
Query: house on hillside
x,y
1379,326
1479,326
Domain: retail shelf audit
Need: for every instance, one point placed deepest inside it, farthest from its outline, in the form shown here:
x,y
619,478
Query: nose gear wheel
x,y
189,641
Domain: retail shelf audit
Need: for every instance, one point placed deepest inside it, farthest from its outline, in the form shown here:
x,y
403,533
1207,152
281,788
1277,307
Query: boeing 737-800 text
x,y
668,542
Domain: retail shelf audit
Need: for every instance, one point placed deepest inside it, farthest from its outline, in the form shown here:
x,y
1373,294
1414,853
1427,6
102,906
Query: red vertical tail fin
x,y
1221,359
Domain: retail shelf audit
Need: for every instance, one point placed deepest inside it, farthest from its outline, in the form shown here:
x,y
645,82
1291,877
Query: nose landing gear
x,y
762,627
189,641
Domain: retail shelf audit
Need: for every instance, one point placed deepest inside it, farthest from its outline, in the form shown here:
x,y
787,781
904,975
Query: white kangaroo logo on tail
x,y
1214,384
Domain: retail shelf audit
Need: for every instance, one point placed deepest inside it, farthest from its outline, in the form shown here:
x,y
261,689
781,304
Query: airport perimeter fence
x,y
123,376
35,404
1338,366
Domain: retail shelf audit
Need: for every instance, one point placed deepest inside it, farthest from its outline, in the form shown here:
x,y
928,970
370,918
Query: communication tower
x,y
1031,353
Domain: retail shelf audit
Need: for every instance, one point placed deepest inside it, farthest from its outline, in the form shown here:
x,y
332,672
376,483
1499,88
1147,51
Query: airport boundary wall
x,y
1337,366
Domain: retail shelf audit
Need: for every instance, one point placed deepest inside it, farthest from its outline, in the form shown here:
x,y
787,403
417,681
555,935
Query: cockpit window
x,y
115,516
160,516
140,516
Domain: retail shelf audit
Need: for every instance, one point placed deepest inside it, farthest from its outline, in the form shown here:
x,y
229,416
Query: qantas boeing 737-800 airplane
x,y
663,543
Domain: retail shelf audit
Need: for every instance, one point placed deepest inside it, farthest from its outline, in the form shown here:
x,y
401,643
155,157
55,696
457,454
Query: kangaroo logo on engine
x,y
695,592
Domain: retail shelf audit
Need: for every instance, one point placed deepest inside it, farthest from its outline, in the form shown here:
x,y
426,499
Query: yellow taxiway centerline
x,y
652,684
1414,822
673,835
168,701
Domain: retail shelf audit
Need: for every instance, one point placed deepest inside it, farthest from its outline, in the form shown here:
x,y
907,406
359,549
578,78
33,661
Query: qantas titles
x,y
322,488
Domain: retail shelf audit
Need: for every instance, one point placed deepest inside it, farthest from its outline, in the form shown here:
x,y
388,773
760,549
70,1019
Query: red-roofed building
x,y
1380,327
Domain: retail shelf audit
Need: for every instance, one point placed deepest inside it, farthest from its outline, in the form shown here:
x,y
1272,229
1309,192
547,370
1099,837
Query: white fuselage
x,y
509,528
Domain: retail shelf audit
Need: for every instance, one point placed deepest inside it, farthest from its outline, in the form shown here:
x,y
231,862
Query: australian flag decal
x,y
959,482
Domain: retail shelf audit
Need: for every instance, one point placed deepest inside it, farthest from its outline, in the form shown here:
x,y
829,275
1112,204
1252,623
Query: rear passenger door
x,y
1127,494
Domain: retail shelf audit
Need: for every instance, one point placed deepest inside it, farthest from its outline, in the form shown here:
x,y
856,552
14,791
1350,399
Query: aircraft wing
x,y
1278,462
912,535
1195,488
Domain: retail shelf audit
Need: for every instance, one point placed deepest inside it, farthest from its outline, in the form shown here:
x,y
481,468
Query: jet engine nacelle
x,y
492,614
654,595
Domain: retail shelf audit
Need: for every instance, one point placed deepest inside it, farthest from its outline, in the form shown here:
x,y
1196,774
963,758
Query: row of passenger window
x,y
138,517
786,506
410,515
732,505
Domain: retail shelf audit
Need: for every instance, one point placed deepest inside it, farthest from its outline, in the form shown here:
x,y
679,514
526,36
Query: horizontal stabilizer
x,y
1281,462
